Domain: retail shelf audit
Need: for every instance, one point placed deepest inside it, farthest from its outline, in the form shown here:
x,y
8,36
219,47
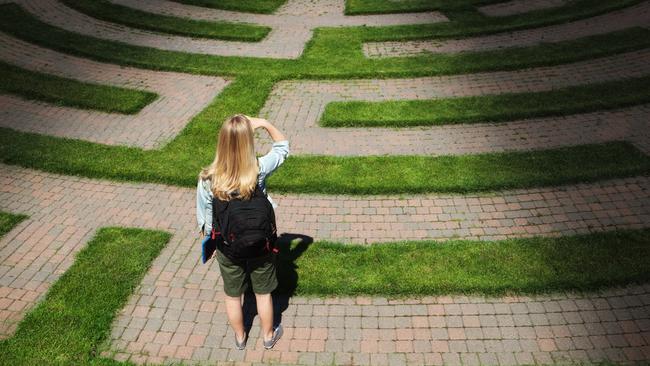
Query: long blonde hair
x,y
234,171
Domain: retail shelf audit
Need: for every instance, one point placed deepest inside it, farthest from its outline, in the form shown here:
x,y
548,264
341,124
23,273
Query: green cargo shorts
x,y
235,274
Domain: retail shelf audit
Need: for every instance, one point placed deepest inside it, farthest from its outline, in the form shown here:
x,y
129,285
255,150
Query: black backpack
x,y
245,229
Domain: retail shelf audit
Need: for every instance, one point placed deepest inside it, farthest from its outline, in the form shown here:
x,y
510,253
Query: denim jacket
x,y
267,164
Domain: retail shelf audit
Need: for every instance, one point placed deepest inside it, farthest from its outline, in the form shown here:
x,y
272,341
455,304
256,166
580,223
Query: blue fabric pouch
x,y
208,246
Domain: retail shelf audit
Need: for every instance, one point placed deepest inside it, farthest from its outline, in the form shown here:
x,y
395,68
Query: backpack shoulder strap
x,y
258,192
220,216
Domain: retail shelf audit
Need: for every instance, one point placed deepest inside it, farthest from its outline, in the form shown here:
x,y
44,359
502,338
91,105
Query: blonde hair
x,y
234,171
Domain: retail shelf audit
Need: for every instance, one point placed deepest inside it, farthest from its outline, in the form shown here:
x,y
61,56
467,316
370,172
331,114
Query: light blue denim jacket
x,y
267,164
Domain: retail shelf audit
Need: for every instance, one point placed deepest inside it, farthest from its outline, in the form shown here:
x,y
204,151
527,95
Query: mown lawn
x,y
514,266
488,108
72,93
102,9
332,53
70,324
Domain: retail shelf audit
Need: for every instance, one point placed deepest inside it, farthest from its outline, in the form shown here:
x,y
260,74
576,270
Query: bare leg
x,y
235,316
265,311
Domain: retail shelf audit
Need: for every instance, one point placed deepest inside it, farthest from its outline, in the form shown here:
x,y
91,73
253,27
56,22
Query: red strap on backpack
x,y
269,249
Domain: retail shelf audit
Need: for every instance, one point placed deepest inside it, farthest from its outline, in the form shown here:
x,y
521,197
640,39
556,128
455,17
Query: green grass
x,y
460,174
251,6
527,265
488,108
332,53
70,324
8,221
71,93
335,53
466,20
338,175
357,7
119,14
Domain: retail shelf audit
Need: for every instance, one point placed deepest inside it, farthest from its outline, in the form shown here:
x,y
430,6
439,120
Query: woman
x,y
236,170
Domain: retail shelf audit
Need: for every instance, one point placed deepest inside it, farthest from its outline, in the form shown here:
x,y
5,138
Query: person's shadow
x,y
291,247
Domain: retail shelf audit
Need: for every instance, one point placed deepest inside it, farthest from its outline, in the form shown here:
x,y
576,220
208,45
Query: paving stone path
x,y
177,312
291,30
297,105
160,325
626,124
634,16
308,13
519,7
181,97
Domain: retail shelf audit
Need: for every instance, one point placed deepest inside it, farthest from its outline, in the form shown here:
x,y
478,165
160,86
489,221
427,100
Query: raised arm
x,y
279,151
276,135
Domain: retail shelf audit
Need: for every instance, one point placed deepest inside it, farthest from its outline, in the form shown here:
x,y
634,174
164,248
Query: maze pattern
x,y
635,16
181,97
296,106
177,313
286,40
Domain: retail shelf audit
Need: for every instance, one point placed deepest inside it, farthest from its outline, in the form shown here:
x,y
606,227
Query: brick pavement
x,y
296,107
634,16
291,28
308,13
159,325
181,97
626,124
519,7
177,313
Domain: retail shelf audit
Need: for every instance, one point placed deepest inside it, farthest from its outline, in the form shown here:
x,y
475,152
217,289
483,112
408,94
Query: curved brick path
x,y
634,16
306,13
285,41
629,124
181,97
177,312
519,7
297,105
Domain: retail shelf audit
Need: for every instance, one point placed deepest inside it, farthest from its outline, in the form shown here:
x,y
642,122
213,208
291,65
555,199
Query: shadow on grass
x,y
291,246
581,263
